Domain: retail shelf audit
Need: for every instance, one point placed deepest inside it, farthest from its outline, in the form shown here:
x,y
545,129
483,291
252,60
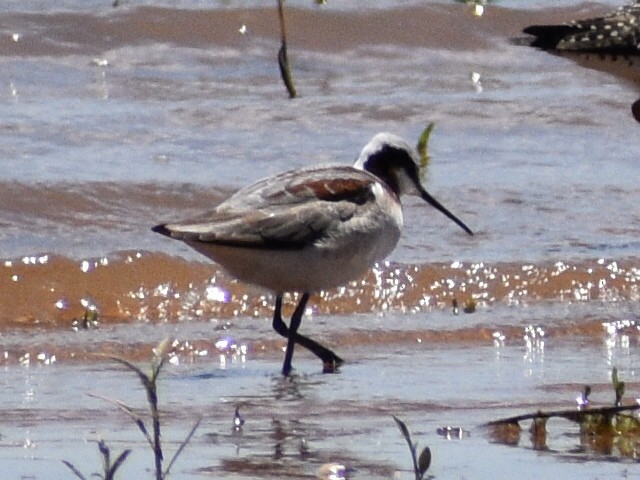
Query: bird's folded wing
x,y
268,228
288,211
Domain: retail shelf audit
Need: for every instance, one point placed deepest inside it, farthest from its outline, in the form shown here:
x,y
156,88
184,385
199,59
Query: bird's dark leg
x,y
294,324
329,359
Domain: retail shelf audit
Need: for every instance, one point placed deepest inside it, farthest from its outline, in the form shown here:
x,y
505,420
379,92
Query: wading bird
x,y
311,229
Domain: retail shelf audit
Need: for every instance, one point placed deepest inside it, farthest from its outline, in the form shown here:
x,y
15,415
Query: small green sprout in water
x,y
108,469
423,149
618,386
420,464
89,320
149,382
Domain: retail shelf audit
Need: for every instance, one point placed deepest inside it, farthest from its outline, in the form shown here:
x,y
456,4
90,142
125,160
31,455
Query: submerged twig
x,y
601,428
572,415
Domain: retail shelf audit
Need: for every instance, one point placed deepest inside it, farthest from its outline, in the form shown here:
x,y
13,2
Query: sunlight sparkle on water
x,y
534,343
25,360
215,293
131,259
162,290
620,326
88,304
33,260
99,62
46,359
185,349
230,351
475,81
140,294
498,338
332,471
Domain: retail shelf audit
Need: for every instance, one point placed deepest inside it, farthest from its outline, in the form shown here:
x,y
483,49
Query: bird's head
x,y
395,162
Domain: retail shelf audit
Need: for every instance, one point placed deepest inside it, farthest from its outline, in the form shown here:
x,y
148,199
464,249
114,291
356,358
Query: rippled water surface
x,y
115,119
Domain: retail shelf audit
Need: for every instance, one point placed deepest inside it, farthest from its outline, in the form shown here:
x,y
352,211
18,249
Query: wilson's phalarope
x,y
311,229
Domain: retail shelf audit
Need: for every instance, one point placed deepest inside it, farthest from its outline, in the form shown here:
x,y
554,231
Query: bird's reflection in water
x,y
293,388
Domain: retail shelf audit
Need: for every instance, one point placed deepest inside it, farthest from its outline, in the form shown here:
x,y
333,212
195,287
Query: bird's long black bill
x,y
438,206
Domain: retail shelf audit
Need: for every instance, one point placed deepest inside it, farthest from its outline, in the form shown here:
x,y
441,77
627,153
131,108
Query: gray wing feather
x,y
275,214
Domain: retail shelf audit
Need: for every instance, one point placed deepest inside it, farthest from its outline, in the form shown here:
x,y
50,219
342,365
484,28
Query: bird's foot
x,y
332,365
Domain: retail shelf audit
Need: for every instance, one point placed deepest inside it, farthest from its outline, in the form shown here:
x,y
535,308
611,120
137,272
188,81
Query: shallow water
x,y
117,119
